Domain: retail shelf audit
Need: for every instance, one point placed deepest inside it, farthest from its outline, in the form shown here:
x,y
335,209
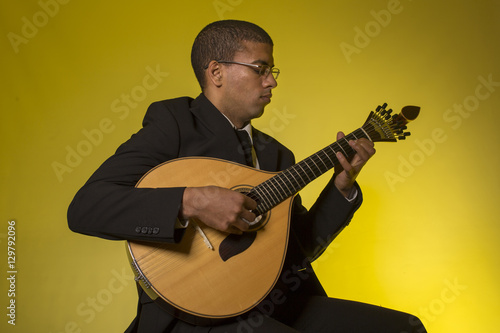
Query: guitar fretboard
x,y
380,126
290,181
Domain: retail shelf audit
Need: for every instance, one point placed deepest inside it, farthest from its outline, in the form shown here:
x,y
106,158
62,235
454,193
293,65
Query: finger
x,y
361,153
370,148
233,230
239,225
364,149
345,163
367,145
249,203
248,216
340,135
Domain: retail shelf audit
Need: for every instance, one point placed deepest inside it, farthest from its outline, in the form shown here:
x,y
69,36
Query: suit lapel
x,y
266,151
221,134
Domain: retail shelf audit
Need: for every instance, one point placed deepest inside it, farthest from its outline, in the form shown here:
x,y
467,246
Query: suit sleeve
x,y
110,206
328,216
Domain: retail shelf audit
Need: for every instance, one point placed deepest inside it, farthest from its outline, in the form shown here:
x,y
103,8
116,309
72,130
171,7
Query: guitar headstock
x,y
382,126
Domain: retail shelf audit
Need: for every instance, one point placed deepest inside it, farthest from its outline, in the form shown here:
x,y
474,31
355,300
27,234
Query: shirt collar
x,y
247,128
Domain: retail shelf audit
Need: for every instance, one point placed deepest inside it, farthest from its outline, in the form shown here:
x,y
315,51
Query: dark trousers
x,y
317,315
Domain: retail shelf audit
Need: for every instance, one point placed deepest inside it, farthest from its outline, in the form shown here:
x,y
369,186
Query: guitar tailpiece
x,y
139,276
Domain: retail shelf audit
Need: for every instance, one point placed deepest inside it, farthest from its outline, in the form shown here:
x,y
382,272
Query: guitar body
x,y
203,285
210,275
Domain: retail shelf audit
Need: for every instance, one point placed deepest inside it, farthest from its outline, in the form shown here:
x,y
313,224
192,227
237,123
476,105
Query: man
x,y
233,62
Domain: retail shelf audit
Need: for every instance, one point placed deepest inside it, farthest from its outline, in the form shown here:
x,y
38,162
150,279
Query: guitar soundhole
x,y
261,220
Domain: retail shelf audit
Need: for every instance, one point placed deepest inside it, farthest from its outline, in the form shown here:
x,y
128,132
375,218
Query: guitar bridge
x,y
139,276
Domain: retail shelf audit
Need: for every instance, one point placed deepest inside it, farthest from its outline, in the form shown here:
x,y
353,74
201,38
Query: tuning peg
x,y
403,137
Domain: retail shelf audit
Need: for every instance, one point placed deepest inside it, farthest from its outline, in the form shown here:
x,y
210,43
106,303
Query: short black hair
x,y
220,40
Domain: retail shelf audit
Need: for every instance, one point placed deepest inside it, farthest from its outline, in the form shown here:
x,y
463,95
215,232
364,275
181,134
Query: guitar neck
x,y
380,126
290,181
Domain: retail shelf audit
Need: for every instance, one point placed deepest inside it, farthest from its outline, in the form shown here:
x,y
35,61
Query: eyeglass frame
x,y
262,68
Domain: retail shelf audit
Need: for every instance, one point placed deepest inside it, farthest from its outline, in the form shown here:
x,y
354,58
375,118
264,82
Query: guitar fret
x,y
312,172
263,202
271,183
315,166
288,182
304,173
278,192
300,166
316,159
338,144
289,177
334,152
324,159
277,183
271,198
300,184
367,136
286,185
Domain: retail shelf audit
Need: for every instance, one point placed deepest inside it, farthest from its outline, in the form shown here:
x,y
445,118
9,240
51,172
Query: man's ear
x,y
214,73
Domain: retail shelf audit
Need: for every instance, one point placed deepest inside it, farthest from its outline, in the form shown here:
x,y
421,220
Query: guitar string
x,y
312,163
291,179
288,176
164,264
148,256
274,182
271,200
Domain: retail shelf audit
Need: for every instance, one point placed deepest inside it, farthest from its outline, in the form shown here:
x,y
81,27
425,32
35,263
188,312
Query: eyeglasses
x,y
263,70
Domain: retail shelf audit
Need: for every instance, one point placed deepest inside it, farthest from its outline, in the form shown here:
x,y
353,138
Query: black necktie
x,y
246,146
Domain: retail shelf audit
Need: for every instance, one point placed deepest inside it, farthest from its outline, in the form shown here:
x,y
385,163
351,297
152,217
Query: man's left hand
x,y
348,170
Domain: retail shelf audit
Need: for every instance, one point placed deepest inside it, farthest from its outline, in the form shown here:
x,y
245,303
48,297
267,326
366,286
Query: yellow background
x,y
426,239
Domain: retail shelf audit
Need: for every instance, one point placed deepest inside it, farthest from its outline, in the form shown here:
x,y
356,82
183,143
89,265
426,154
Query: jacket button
x,y
144,230
138,230
156,230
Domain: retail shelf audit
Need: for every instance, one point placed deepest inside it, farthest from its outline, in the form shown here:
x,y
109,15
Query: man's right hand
x,y
219,208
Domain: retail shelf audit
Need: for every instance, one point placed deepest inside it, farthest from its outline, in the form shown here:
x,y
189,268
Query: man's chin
x,y
259,114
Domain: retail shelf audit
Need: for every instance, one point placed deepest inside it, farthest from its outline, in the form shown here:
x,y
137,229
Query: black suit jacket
x,y
109,206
